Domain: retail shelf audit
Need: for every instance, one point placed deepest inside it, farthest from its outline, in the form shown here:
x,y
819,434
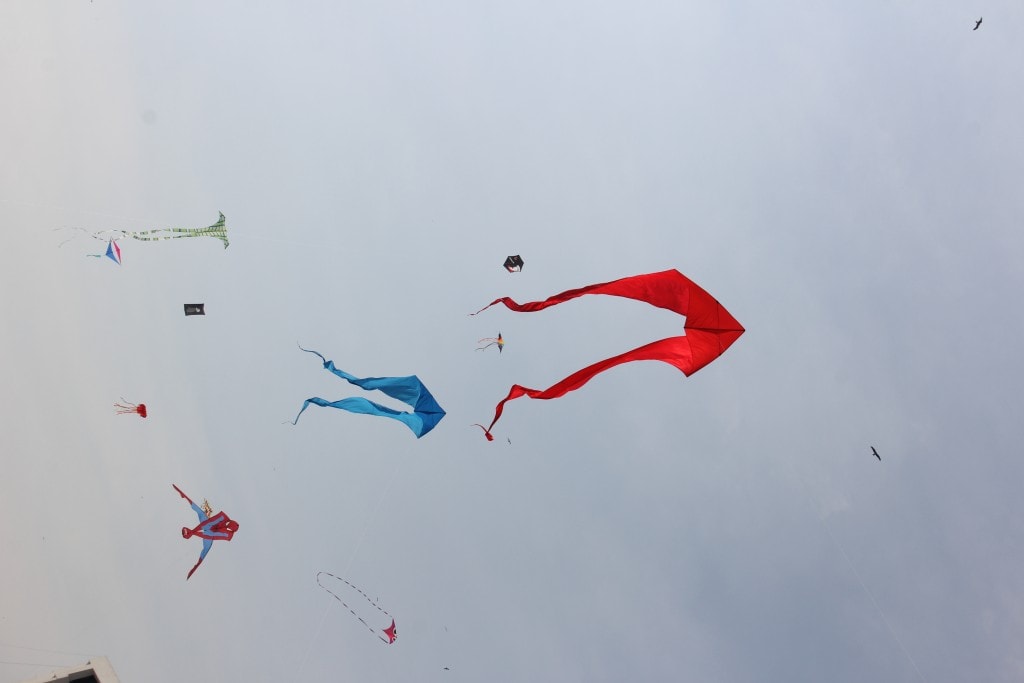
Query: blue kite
x,y
113,252
425,415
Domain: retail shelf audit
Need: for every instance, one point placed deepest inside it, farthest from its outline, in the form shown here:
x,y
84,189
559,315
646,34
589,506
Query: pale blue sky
x,y
846,181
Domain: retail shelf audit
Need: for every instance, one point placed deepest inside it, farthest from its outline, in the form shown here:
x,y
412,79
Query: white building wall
x,y
97,667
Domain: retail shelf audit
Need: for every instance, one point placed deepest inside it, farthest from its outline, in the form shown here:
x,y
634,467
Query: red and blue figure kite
x,y
390,633
218,527
710,330
409,390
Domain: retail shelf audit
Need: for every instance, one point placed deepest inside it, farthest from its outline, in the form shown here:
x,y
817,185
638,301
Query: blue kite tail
x,y
310,351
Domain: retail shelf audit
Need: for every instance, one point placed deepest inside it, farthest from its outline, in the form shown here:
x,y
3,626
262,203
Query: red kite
x,y
710,330
128,408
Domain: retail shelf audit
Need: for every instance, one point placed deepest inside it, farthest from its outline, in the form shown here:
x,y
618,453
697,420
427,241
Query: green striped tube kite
x,y
218,230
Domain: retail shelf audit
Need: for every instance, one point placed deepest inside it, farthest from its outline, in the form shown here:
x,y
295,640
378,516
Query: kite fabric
x,y
195,309
710,330
218,527
390,633
409,390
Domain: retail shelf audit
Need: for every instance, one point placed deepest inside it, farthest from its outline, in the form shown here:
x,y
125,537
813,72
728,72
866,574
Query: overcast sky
x,y
846,180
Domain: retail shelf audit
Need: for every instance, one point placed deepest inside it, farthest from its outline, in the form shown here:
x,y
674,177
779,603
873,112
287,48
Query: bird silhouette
x,y
875,453
977,24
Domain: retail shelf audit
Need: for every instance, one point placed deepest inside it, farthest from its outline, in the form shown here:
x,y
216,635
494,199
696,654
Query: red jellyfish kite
x,y
128,408
710,330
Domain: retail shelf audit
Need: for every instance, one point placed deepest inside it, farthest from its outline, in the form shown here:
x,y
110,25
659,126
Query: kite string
x,y
57,207
40,664
849,563
40,649
351,559
349,608
316,635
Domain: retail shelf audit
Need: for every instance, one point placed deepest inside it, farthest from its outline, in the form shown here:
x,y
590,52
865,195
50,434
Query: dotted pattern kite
x,y
390,634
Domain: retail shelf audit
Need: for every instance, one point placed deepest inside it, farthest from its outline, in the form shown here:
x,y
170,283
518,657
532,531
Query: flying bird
x,y
875,453
977,24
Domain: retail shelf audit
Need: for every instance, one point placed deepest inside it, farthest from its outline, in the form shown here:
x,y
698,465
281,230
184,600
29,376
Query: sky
x,y
845,180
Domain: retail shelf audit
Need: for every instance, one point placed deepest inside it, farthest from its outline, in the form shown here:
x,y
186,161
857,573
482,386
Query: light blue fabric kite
x,y
409,390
